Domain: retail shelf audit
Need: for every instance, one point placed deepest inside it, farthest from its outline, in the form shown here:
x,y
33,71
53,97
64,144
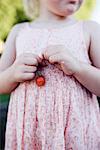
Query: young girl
x,y
52,68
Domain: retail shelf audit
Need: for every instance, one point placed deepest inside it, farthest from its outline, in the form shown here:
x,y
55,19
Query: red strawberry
x,y
40,79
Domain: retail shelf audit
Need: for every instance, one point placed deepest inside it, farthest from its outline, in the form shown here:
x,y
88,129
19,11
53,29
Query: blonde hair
x,y
31,8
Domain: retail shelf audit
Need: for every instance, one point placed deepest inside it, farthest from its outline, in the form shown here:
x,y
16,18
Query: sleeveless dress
x,y
62,114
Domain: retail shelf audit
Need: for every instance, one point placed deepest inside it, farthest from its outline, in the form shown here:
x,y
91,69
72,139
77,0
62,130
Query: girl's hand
x,y
24,67
59,54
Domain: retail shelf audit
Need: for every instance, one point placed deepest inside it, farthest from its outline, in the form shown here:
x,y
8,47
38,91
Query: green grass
x,y
4,98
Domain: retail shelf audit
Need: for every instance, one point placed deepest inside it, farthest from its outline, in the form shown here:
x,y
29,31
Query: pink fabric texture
x,y
63,114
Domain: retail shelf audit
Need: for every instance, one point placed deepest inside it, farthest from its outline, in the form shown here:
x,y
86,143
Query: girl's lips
x,y
72,1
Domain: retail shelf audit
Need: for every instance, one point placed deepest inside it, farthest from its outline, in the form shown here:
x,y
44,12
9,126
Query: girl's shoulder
x,y
91,30
91,24
17,27
91,27
9,52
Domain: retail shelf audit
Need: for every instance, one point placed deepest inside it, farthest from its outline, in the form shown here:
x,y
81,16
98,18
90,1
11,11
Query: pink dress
x,y
63,114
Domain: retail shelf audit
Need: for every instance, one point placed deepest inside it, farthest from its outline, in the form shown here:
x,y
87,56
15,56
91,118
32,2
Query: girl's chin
x,y
70,10
65,13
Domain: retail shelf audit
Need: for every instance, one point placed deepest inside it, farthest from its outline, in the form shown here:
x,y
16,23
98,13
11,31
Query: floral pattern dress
x,y
62,114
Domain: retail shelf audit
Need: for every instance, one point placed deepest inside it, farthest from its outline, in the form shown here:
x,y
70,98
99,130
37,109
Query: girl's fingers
x,y
28,76
52,50
55,59
48,54
30,69
39,59
30,61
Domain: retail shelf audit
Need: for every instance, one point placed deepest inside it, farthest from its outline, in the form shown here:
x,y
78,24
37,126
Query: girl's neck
x,y
46,22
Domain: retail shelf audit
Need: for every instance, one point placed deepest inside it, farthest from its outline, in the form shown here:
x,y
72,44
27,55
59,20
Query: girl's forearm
x,y
7,84
89,76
